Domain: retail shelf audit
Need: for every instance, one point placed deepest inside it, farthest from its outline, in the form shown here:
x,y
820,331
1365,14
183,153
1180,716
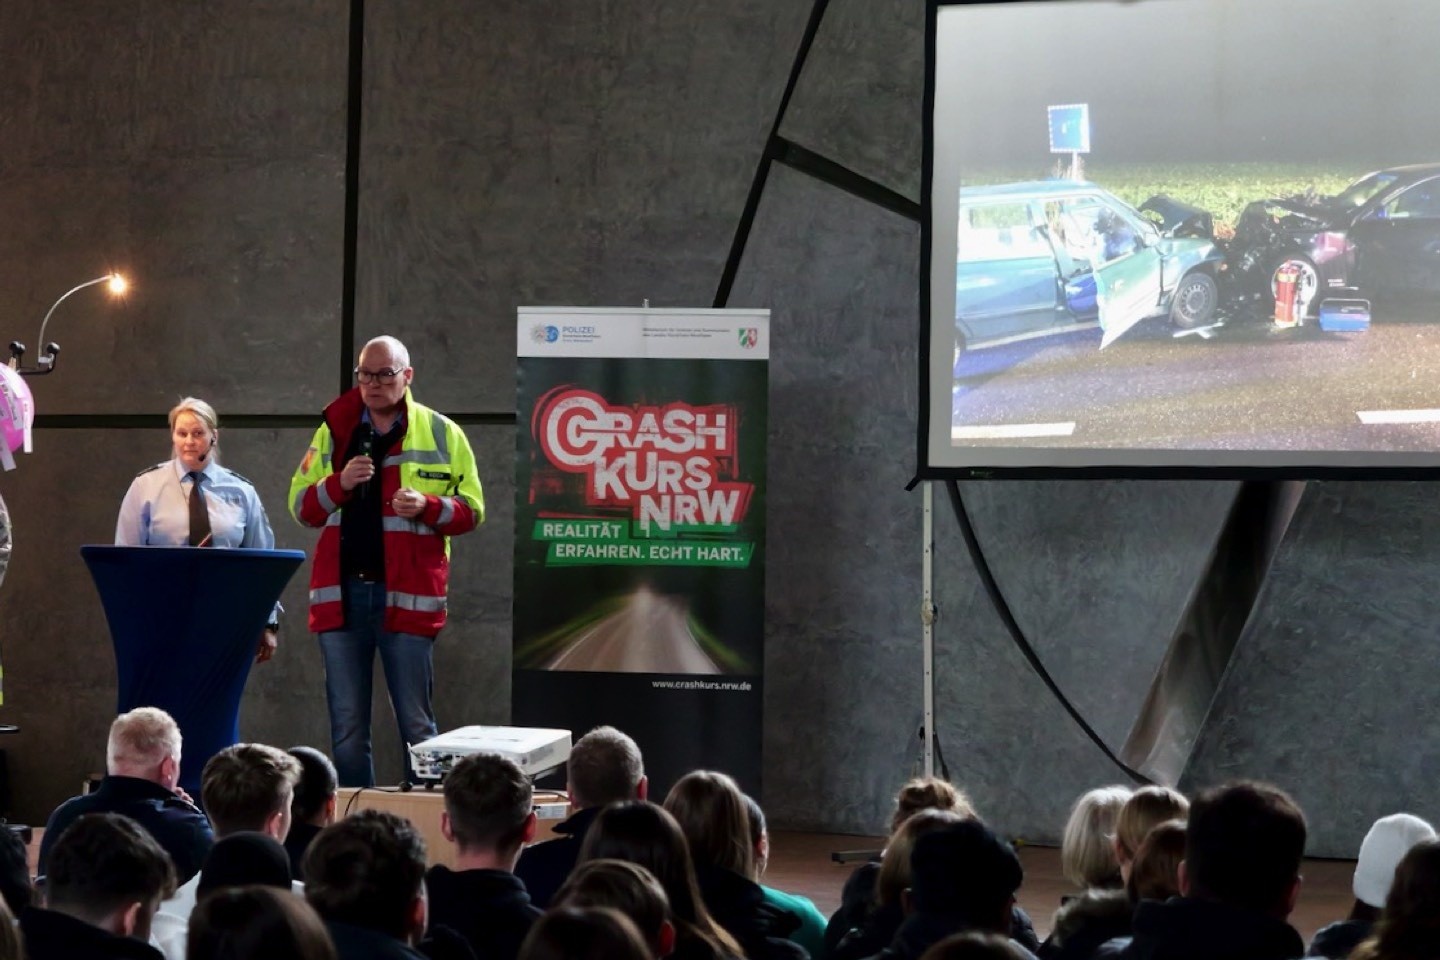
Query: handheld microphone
x,y
206,455
367,444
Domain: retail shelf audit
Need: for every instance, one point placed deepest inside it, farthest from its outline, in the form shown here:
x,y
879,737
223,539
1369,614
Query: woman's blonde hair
x,y
929,793
1087,855
1146,808
202,411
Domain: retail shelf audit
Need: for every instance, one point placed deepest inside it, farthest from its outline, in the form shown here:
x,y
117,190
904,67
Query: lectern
x,y
185,623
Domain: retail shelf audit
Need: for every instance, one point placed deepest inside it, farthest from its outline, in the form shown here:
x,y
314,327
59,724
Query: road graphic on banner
x,y
648,634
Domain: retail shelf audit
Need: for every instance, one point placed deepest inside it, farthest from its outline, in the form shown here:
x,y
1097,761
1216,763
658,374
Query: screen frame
x,y
1121,467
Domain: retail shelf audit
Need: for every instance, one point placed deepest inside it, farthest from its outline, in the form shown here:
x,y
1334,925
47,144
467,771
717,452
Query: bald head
x,y
385,351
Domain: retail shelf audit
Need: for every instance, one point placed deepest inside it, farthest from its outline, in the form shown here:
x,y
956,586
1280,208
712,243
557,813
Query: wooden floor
x,y
800,863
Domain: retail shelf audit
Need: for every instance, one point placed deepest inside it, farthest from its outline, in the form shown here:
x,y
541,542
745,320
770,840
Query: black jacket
x,y
738,904
544,867
56,936
1085,922
1182,928
175,823
358,943
297,842
921,931
489,908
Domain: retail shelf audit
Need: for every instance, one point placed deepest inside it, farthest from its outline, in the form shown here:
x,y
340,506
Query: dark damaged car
x,y
1377,238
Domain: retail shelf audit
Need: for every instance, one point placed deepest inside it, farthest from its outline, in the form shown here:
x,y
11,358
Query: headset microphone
x,y
206,455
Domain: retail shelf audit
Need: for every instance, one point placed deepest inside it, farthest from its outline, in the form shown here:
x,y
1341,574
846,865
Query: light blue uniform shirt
x,y
156,509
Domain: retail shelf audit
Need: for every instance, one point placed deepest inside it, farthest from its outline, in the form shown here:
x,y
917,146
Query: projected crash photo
x,y
1159,243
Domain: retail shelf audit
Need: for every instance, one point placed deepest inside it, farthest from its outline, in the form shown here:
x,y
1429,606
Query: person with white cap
x,y
1389,839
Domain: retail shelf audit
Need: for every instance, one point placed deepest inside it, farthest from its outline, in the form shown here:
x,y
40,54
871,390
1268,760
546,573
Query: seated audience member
x,y
710,809
857,900
1239,882
107,876
593,933
15,884
314,803
11,946
644,834
142,773
244,860
628,888
975,946
877,928
810,934
1098,915
246,788
239,923
1387,841
604,767
1409,926
1154,875
489,816
1146,808
963,879
365,876
1087,848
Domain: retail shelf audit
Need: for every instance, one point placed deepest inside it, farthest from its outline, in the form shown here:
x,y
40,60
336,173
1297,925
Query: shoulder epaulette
x,y
151,469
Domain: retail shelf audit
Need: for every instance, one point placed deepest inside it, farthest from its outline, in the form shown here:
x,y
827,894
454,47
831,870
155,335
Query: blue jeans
x,y
349,671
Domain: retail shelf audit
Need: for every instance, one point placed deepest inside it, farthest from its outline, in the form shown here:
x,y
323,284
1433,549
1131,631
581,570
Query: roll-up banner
x,y
640,531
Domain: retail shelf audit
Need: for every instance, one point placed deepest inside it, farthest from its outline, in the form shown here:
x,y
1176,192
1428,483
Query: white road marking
x,y
1398,416
1009,431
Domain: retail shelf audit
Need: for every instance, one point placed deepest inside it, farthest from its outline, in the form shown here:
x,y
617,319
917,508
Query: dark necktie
x,y
199,515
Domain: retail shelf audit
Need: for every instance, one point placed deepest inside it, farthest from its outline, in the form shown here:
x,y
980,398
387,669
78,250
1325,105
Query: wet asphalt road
x,y
1248,387
649,634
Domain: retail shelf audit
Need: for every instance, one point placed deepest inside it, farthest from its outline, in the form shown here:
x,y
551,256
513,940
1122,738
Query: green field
x,y
1221,188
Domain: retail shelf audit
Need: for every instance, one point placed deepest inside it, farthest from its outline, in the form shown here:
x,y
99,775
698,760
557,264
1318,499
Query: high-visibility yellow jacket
x,y
434,458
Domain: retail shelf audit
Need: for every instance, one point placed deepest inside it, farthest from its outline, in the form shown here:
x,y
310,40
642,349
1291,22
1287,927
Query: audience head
x,y
1410,924
711,812
929,793
15,885
12,946
368,871
893,878
249,786
646,834
1155,869
244,859
964,871
242,923
628,888
106,870
759,836
589,933
1087,850
489,808
604,767
974,946
315,792
1388,840
1243,846
1146,807
144,743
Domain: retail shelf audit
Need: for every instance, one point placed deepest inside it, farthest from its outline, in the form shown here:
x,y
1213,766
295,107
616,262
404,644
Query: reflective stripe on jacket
x,y
434,458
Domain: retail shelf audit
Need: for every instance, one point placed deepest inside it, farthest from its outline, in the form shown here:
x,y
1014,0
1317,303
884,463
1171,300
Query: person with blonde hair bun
x,y
191,500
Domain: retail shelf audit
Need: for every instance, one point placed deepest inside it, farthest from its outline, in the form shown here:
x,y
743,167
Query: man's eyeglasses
x,y
377,376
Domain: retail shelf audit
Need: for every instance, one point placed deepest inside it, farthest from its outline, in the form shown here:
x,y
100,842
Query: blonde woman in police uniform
x,y
156,510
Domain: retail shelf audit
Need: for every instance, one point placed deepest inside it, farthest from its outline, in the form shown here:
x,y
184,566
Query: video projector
x,y
536,751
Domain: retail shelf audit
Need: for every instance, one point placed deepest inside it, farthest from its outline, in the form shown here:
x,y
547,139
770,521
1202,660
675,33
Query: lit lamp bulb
x,y
118,286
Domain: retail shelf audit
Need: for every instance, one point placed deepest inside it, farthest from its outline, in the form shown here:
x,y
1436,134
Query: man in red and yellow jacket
x,y
389,482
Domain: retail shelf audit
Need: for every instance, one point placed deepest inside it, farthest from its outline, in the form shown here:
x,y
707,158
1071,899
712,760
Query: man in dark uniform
x,y
605,766
142,767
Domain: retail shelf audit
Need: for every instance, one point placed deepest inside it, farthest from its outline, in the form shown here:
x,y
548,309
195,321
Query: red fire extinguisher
x,y
1287,295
